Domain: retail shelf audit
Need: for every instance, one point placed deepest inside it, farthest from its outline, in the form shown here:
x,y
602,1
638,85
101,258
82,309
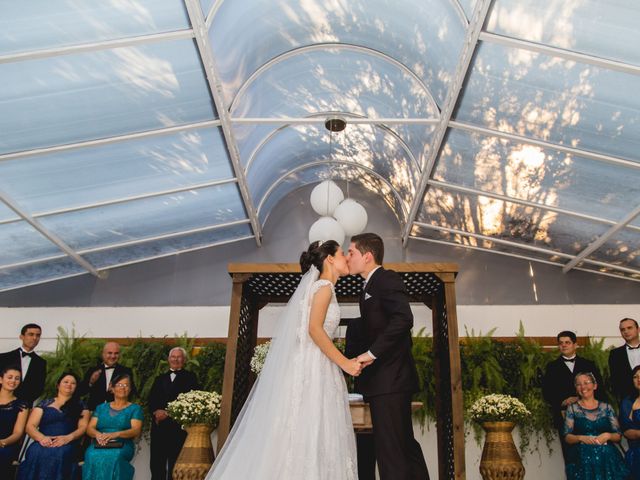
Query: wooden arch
x,y
433,284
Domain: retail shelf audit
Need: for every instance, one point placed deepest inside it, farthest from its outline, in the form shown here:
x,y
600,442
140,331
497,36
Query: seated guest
x,y
630,423
97,379
55,425
33,368
13,417
113,427
167,437
590,429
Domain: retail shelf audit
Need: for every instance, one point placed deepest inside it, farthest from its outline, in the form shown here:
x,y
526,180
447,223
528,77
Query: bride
x,y
296,422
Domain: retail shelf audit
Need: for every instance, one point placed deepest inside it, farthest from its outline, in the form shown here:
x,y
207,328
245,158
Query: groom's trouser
x,y
398,453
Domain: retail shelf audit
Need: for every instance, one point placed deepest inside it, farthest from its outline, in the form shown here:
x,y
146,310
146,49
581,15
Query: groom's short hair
x,y
370,242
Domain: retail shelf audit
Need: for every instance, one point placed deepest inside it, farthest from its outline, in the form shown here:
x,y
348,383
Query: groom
x,y
383,334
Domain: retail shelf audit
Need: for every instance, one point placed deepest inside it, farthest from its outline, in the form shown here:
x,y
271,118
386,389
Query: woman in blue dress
x,y
630,423
590,430
55,425
113,427
13,417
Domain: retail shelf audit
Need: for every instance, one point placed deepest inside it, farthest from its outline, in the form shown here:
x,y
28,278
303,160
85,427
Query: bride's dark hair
x,y
316,253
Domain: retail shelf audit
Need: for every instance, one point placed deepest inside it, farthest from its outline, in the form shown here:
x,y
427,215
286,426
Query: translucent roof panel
x,y
554,100
72,98
604,29
608,270
540,175
426,36
20,242
143,219
44,24
370,147
519,224
623,249
168,246
17,277
70,179
6,213
206,6
339,173
468,6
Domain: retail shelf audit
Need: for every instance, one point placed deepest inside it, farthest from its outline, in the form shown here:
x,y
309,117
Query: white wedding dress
x,y
296,423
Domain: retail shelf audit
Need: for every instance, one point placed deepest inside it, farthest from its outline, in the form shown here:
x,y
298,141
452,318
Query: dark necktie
x,y
571,360
109,368
26,354
629,347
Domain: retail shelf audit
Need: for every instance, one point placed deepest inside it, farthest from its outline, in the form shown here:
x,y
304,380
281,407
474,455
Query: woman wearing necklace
x,y
13,417
590,430
113,427
630,423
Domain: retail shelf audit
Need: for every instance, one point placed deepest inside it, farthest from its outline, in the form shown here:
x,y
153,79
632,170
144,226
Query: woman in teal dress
x,y
55,426
113,427
590,430
630,423
13,417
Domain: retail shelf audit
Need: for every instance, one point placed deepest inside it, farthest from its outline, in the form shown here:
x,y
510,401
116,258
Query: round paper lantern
x,y
325,197
352,217
326,228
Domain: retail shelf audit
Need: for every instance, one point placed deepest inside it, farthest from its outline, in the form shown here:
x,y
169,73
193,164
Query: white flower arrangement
x,y
196,406
498,408
259,356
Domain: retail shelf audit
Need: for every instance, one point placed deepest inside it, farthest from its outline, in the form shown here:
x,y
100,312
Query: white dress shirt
x,y
25,361
633,354
363,287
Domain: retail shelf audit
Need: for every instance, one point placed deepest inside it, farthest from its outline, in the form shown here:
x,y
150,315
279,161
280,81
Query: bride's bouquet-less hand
x,y
196,407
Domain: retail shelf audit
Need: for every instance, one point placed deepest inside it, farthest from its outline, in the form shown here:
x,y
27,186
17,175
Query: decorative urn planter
x,y
500,458
196,456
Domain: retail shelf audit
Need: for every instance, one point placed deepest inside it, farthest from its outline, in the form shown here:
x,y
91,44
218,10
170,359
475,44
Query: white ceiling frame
x,y
200,31
305,166
95,46
521,257
524,246
601,157
602,239
52,237
606,63
326,46
110,140
506,198
480,14
322,118
146,259
284,121
132,198
138,241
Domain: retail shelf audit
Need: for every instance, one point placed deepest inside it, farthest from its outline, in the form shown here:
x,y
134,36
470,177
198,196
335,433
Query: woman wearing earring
x,y
13,417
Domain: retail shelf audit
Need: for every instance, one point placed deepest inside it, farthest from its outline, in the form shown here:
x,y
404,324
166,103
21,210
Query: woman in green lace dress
x,y
591,429
113,428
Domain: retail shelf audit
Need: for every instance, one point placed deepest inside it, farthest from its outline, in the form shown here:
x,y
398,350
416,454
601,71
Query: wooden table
x,y
361,415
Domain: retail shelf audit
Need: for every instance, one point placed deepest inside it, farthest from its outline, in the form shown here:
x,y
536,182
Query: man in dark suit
x,y
558,386
389,378
624,359
167,437
96,380
32,367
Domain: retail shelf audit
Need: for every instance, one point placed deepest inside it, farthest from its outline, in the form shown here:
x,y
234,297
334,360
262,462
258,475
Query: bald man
x,y
96,380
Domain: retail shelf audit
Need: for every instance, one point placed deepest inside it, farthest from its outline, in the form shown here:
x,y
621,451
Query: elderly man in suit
x,y
624,359
167,437
96,379
558,386
389,378
32,367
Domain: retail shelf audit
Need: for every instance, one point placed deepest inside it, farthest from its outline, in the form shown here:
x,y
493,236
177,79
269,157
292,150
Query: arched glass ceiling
x,y
424,36
504,125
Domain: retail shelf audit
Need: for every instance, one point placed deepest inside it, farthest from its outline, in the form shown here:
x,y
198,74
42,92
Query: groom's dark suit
x,y
384,329
621,380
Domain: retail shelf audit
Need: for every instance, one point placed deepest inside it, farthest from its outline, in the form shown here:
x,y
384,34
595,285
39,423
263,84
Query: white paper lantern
x,y
326,228
352,217
325,197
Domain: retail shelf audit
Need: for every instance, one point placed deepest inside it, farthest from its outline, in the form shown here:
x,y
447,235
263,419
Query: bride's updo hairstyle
x,y
316,253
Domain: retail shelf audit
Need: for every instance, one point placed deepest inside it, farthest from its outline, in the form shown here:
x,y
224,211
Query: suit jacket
x,y
558,384
98,391
32,385
621,381
384,329
164,390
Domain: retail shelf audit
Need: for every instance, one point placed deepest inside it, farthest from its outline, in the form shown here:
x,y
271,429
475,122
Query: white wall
x,y
538,320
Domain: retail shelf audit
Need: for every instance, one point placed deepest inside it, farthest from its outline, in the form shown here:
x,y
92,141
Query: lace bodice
x,y
332,320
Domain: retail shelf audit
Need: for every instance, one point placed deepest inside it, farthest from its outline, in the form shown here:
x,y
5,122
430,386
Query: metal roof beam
x,y
480,13
198,23
52,237
95,46
602,239
321,120
560,52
